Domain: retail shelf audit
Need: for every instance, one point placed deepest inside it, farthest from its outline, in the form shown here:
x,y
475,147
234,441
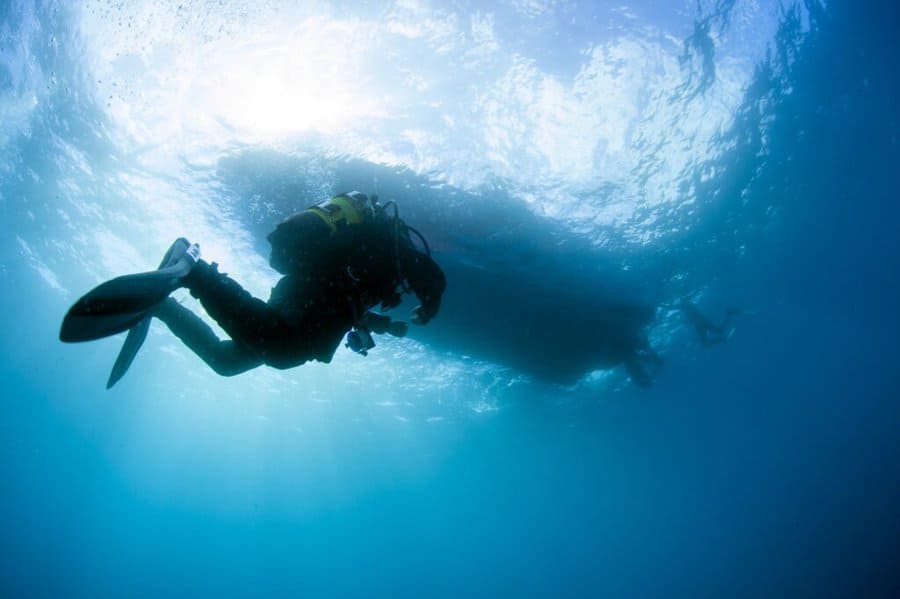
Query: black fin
x,y
117,305
138,333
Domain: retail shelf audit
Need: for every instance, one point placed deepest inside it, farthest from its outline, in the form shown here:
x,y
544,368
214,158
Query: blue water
x,y
559,157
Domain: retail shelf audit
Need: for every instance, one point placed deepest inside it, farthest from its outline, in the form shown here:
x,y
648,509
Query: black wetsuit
x,y
334,279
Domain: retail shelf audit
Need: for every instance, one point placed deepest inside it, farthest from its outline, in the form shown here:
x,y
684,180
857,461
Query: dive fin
x,y
120,304
130,348
138,333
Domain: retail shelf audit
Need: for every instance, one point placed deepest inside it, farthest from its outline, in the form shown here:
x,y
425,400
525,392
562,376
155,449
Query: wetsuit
x,y
332,282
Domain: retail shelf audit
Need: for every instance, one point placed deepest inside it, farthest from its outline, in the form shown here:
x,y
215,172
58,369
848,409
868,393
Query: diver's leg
x,y
226,358
278,340
246,319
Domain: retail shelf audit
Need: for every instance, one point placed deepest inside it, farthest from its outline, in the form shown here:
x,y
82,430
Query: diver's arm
x,y
427,281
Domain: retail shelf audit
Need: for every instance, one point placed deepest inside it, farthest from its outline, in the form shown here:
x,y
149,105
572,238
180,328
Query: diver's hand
x,y
419,316
397,328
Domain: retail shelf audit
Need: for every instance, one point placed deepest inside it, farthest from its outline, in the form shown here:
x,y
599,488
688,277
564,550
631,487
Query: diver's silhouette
x,y
709,332
340,259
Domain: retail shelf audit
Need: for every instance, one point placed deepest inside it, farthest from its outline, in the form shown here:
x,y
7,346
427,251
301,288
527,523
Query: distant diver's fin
x,y
138,332
122,303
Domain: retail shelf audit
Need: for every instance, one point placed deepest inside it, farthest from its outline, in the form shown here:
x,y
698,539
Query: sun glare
x,y
282,103
291,88
259,84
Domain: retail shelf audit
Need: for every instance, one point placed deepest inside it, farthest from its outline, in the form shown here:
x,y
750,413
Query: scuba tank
x,y
345,209
298,239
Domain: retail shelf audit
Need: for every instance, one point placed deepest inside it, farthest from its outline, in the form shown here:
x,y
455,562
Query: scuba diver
x,y
632,346
339,259
709,332
628,343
